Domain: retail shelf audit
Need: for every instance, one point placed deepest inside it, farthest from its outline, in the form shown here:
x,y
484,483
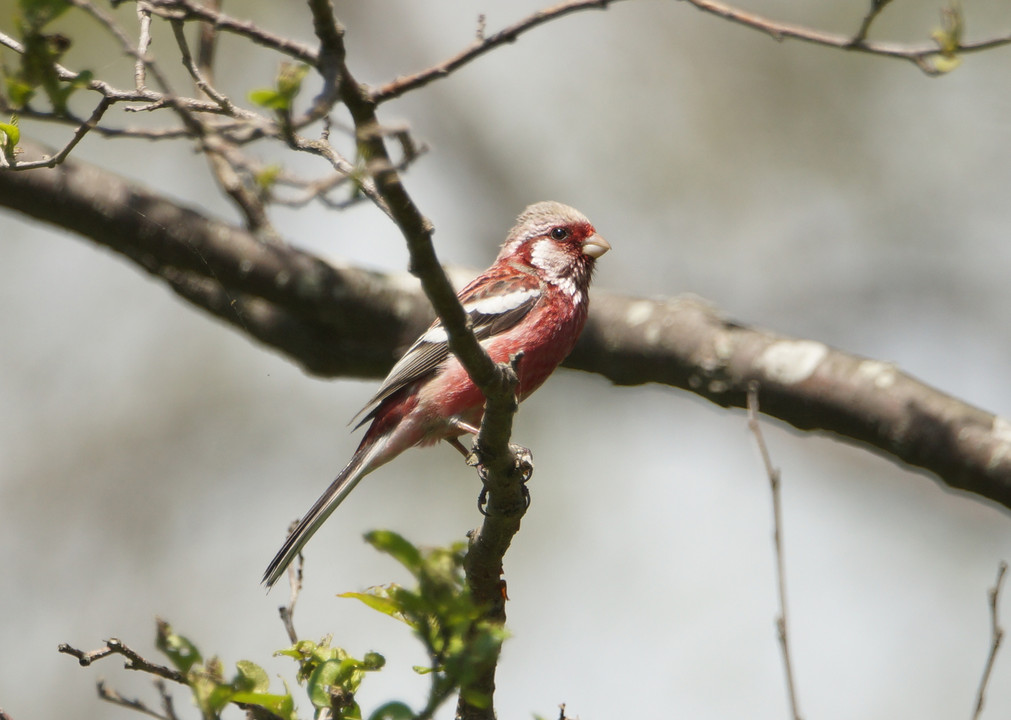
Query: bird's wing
x,y
493,305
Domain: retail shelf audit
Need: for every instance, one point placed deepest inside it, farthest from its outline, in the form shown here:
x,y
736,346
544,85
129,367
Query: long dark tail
x,y
359,467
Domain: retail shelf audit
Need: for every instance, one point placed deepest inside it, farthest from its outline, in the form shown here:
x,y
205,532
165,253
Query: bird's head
x,y
555,242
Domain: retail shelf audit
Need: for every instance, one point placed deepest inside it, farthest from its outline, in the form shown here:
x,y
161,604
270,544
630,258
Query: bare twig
x,y
481,45
186,10
287,612
782,621
920,55
133,660
996,636
876,7
168,706
112,696
90,124
143,43
197,74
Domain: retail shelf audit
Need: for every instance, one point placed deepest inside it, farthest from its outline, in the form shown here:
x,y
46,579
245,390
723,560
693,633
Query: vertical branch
x,y
208,42
782,624
876,7
143,43
996,636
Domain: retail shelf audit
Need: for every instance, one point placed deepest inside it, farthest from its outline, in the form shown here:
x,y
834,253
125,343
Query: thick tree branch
x,y
342,321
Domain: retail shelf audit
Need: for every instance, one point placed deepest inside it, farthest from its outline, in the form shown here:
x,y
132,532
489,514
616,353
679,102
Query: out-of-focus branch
x,y
333,318
482,45
685,343
877,6
996,637
343,321
923,55
775,483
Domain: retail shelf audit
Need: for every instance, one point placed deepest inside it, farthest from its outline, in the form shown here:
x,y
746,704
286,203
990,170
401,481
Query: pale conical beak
x,y
595,246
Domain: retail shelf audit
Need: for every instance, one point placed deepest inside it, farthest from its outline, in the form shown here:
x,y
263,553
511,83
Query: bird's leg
x,y
455,442
464,428
524,464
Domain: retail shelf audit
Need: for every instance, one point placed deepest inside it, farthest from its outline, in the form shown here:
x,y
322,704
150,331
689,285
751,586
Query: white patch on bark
x,y
881,374
639,312
1002,433
791,361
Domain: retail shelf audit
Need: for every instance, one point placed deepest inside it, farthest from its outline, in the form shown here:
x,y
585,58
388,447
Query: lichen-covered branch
x,y
344,321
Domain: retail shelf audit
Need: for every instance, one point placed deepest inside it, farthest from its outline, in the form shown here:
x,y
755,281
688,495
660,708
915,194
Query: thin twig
x,y
782,624
112,696
996,636
166,699
482,45
876,7
133,659
185,10
920,54
295,575
90,124
143,43
199,80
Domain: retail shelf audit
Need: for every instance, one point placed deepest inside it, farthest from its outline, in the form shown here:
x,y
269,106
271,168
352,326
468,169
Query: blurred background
x,y
151,458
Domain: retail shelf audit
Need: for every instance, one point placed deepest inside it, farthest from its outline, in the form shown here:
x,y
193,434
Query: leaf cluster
x,y
442,612
38,64
439,610
212,691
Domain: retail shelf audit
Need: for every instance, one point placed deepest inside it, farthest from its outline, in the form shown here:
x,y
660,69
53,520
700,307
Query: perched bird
x,y
533,300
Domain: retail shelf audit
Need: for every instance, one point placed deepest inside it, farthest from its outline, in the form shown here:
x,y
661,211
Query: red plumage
x,y
533,300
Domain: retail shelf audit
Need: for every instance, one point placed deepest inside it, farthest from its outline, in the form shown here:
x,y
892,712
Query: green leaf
x,y
10,136
373,661
270,99
397,547
210,695
326,676
37,13
949,37
250,678
287,85
380,599
180,651
18,91
82,79
38,69
289,80
266,177
281,705
392,711
475,698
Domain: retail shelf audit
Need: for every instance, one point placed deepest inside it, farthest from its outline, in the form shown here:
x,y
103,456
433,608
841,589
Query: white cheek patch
x,y
556,265
498,304
548,258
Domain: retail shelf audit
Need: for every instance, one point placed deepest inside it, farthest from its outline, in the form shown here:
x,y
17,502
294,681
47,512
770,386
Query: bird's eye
x,y
560,233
